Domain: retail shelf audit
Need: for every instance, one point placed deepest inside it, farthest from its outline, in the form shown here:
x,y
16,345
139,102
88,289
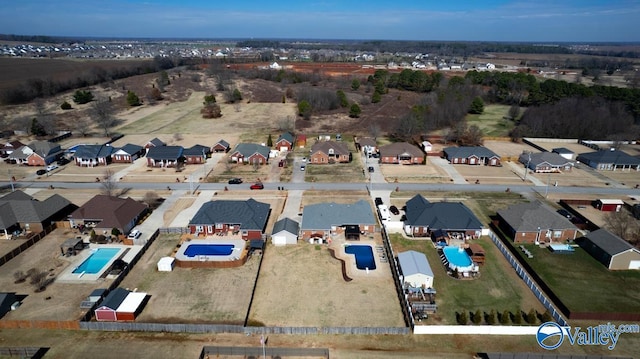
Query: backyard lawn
x,y
492,121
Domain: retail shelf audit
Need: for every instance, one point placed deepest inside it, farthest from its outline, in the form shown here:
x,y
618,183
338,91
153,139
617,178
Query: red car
x,y
257,186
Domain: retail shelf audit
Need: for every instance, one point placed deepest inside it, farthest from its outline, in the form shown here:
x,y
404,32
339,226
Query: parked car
x,y
51,167
302,168
41,172
135,234
63,161
394,210
257,186
235,181
371,169
378,201
304,159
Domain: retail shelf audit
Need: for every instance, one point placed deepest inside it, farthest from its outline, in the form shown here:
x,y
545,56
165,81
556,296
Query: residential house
x,y
564,152
37,153
424,217
471,155
535,222
221,146
368,145
415,270
19,211
164,156
324,152
93,155
103,213
8,147
402,153
127,153
610,160
544,162
285,231
285,142
196,154
250,153
120,305
156,142
612,251
322,220
247,218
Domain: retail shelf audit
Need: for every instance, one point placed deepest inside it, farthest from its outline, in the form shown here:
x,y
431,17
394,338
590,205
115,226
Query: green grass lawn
x,y
584,284
492,121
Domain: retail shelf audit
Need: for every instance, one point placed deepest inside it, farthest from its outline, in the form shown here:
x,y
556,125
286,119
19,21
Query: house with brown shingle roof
x,y
103,213
329,152
402,153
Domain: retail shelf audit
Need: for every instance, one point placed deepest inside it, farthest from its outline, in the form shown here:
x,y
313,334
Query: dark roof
x,y
562,150
537,159
99,292
286,224
196,150
114,298
248,149
131,148
94,151
608,242
19,207
249,214
338,148
112,212
367,141
165,152
287,136
532,216
6,300
440,215
222,143
44,148
156,142
323,216
468,151
615,157
400,148
256,244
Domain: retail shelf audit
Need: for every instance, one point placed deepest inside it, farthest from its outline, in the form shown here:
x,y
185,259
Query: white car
x,y
135,234
51,167
304,159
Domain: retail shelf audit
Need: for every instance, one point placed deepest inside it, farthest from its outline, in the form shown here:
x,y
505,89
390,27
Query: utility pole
x,y
526,168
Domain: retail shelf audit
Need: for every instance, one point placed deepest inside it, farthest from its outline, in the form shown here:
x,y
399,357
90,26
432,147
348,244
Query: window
x,y
557,234
219,226
209,229
199,229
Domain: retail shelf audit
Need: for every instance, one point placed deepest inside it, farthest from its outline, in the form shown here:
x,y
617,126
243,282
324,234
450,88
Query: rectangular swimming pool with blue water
x,y
208,250
364,256
96,261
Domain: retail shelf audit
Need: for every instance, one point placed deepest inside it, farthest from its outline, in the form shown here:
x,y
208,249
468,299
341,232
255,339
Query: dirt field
x,y
428,173
60,301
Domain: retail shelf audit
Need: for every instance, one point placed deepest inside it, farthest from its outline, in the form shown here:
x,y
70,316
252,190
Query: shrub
x,y
504,318
462,318
491,317
133,99
66,106
517,317
477,317
532,316
82,97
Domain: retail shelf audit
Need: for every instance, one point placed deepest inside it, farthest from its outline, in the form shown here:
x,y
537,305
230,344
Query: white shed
x,y
165,264
416,270
285,231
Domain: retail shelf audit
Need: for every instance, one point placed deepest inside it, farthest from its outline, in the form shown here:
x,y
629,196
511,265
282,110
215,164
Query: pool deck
x,y
67,275
236,253
382,265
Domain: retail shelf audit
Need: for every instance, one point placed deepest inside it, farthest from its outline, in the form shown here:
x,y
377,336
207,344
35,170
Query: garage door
x,y
634,264
279,240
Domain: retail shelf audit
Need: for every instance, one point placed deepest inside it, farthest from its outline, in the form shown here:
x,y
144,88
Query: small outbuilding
x,y
415,268
71,246
166,264
612,251
120,305
285,231
609,205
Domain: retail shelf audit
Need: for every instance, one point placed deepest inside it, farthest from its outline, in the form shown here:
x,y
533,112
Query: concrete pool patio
x,y
125,253
235,258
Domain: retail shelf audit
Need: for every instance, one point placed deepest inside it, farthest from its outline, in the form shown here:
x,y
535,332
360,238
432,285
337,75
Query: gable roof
x,y
156,142
367,141
222,143
440,215
400,148
608,242
249,214
130,149
286,136
532,216
248,149
537,159
165,152
286,224
93,151
196,150
338,148
562,150
412,262
323,216
112,212
115,298
19,207
44,148
615,157
468,151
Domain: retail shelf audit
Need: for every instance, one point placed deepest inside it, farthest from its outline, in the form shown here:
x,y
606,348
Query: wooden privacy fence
x,y
26,244
23,352
257,351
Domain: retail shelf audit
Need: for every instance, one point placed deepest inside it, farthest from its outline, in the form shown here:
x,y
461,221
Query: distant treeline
x,y
34,38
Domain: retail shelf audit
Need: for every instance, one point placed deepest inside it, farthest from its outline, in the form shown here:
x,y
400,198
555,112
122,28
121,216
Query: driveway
x,y
447,167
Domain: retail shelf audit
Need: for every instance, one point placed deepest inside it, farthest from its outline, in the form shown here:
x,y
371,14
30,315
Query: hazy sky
x,y
499,20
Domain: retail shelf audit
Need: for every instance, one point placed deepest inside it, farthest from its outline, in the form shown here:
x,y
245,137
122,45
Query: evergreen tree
x,y
477,106
477,317
355,84
133,99
355,111
491,317
269,141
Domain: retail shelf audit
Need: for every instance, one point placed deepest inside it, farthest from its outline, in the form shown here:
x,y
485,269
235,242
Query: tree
x,y
133,99
115,232
102,111
376,97
39,280
477,317
491,317
514,112
37,129
355,84
211,111
237,96
269,141
343,98
505,317
82,97
209,99
355,111
109,184
462,318
304,109
546,316
477,106
532,316
66,106
19,276
620,223
517,317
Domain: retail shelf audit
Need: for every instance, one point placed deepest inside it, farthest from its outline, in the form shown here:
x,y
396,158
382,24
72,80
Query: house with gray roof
x,y
322,220
609,249
535,222
368,145
610,160
155,142
250,153
196,154
424,217
93,155
248,218
564,152
37,153
545,162
127,153
19,211
471,155
401,153
164,156
415,270
285,231
221,146
284,142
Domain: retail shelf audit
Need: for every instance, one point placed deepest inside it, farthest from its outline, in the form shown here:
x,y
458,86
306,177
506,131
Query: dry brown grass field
x,y
428,173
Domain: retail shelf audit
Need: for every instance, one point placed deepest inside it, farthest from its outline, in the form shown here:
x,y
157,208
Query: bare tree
x,y
82,125
40,107
103,112
374,130
19,276
108,183
286,123
177,137
620,223
39,280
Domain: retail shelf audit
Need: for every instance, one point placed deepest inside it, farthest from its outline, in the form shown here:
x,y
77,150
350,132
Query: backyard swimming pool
x,y
208,250
458,259
96,261
364,256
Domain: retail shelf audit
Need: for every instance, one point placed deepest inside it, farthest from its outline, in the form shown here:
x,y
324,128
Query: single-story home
x,y
93,155
285,231
324,152
368,145
612,251
221,146
544,162
127,153
284,142
37,153
164,156
535,222
103,213
322,220
7,148
415,270
424,217
564,152
19,211
250,153
610,160
120,305
156,142
402,153
196,154
471,155
249,218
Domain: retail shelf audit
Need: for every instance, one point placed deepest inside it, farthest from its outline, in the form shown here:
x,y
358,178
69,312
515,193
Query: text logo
x,y
550,335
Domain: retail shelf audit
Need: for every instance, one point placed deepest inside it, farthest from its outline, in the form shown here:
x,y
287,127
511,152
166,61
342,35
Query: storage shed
x,y
612,251
609,205
165,264
415,269
285,231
